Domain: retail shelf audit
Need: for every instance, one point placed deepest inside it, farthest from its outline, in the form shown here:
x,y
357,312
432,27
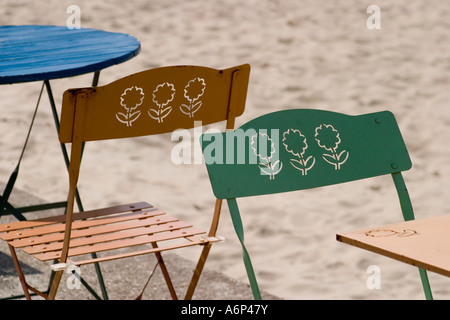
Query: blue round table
x,y
42,53
35,52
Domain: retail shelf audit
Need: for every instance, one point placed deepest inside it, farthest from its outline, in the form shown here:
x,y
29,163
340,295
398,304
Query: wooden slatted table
x,y
424,243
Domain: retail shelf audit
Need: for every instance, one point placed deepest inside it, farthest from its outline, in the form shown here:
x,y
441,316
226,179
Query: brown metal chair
x,y
151,102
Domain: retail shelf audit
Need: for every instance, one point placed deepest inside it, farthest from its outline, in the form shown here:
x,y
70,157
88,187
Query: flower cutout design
x,y
264,148
192,92
328,138
295,143
162,96
194,89
130,99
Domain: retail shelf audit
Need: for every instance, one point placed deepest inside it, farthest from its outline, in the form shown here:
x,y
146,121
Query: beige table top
x,y
424,243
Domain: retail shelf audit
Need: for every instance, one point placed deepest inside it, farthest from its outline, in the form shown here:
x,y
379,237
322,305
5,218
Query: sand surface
x,y
303,54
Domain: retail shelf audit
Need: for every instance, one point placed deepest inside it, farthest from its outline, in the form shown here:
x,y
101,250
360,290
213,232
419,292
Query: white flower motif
x,y
163,94
259,144
130,99
327,137
295,143
132,96
194,89
260,137
192,92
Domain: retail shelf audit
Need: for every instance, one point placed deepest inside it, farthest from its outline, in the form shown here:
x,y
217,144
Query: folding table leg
x,y
4,204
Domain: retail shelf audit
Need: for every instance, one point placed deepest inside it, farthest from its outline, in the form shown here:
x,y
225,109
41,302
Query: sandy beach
x,y
303,54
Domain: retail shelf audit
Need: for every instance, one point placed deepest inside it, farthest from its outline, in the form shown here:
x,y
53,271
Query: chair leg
x,y
426,284
55,285
166,275
205,252
197,272
26,287
20,273
238,227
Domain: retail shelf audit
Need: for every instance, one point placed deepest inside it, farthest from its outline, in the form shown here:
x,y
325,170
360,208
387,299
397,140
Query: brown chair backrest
x,y
155,101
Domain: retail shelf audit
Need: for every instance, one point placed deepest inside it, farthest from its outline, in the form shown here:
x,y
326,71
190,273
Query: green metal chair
x,y
301,149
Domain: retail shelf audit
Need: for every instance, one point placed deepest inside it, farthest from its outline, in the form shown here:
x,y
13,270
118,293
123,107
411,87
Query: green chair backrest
x,y
301,149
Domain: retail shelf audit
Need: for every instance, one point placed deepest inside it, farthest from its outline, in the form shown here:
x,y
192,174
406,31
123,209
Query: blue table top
x,y
35,52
